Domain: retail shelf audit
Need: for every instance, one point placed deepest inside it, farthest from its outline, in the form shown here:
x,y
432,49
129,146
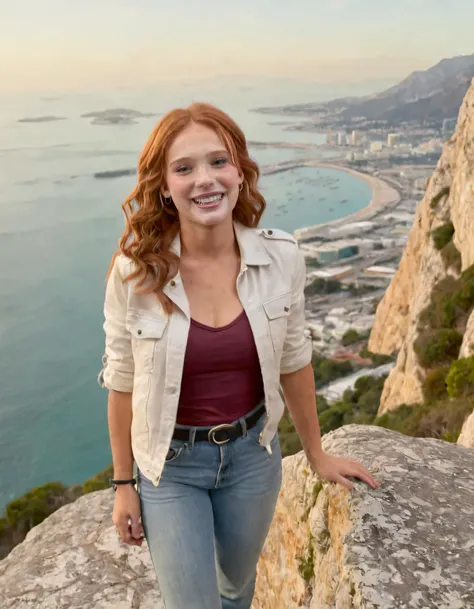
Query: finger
x,y
344,482
136,530
123,528
359,471
124,534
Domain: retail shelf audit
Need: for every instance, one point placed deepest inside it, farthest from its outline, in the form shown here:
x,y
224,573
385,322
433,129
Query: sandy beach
x,y
383,196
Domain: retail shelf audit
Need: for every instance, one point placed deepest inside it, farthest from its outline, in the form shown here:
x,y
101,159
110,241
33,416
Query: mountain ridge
x,y
424,95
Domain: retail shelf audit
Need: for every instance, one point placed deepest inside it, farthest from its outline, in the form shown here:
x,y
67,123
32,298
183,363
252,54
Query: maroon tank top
x,y
222,380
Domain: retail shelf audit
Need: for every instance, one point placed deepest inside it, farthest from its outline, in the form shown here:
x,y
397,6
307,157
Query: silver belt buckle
x,y
212,431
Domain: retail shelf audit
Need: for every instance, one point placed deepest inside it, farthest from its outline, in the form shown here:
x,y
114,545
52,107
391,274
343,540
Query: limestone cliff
x,y
449,199
408,543
466,437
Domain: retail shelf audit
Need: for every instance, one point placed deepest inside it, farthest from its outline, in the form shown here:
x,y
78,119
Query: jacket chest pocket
x,y
147,337
277,310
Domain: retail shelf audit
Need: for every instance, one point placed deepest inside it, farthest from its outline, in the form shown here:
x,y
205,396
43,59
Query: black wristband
x,y
115,483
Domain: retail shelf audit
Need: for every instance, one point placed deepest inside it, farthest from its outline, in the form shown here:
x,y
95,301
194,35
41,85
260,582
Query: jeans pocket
x,y
254,432
173,454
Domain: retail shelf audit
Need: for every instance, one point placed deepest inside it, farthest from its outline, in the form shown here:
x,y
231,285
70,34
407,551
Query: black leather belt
x,y
220,434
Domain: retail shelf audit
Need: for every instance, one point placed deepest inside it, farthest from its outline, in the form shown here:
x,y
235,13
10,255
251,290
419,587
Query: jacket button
x,y
269,232
172,283
139,331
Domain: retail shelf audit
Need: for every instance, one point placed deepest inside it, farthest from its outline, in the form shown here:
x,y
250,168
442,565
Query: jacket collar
x,y
250,244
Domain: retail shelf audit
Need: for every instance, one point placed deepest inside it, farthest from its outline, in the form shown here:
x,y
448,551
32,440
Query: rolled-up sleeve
x,y
118,365
297,348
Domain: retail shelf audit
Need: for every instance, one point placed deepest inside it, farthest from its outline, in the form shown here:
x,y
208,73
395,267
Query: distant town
x,y
351,261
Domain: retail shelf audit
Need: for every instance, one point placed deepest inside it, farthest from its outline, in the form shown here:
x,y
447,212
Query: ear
x,y
166,193
241,179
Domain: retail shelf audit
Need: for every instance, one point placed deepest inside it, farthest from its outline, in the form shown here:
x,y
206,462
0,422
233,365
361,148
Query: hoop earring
x,y
165,201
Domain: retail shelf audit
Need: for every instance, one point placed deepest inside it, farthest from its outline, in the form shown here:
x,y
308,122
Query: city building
x,y
337,272
376,146
331,138
340,249
379,271
393,140
356,138
352,228
400,217
341,138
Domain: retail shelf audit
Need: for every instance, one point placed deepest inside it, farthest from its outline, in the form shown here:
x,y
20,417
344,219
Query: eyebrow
x,y
187,159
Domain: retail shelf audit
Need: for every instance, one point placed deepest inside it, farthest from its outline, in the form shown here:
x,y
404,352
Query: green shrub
x,y
442,419
36,505
444,192
290,442
359,405
98,482
378,359
358,289
333,417
321,286
441,312
434,384
322,403
327,370
3,525
443,235
437,347
460,378
350,337
313,262
451,257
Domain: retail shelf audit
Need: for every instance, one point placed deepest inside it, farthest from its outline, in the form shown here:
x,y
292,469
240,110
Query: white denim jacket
x,y
145,347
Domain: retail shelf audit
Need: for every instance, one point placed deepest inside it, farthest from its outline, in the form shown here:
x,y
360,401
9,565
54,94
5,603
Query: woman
x,y
204,321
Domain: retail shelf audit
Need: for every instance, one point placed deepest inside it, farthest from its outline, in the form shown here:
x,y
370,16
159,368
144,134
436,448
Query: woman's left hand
x,y
334,469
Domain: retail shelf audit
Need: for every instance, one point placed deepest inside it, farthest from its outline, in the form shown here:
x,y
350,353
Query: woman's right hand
x,y
127,515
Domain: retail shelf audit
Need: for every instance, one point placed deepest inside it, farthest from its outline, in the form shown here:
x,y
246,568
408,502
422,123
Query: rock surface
x,y
421,266
409,543
74,559
466,437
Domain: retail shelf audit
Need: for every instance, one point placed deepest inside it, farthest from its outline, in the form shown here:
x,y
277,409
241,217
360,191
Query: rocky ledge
x,y
407,544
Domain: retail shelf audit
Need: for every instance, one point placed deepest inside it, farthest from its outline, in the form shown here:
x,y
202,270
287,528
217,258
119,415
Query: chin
x,y
217,216
214,219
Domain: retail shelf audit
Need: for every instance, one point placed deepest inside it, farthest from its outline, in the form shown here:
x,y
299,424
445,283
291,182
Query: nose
x,y
203,175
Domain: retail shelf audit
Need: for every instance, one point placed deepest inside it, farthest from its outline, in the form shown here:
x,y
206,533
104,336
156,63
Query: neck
x,y
200,242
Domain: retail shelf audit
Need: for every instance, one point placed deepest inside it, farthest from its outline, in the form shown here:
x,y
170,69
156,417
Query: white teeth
x,y
208,199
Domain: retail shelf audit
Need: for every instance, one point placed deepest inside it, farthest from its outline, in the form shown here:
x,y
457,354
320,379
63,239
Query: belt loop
x,y
243,424
192,436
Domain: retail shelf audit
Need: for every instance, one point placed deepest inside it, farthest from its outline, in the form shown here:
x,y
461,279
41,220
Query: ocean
x,y
58,229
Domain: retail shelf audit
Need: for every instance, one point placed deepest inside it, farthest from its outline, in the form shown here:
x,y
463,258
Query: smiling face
x,y
201,177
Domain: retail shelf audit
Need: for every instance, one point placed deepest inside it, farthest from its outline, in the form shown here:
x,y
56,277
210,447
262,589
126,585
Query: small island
x,y
41,119
114,173
116,116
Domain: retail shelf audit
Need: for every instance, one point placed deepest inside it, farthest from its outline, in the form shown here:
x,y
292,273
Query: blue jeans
x,y
207,520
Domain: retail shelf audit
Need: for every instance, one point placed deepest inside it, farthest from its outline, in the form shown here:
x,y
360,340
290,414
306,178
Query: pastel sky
x,y
59,43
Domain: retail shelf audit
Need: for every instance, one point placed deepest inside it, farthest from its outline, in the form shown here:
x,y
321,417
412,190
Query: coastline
x,y
383,196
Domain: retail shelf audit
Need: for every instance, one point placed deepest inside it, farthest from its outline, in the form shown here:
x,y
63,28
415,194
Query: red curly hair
x,y
151,227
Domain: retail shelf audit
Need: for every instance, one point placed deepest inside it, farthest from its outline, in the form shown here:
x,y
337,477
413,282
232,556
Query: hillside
x,y
429,95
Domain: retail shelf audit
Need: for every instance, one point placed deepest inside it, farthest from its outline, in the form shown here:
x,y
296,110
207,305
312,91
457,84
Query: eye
x,y
220,161
182,169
